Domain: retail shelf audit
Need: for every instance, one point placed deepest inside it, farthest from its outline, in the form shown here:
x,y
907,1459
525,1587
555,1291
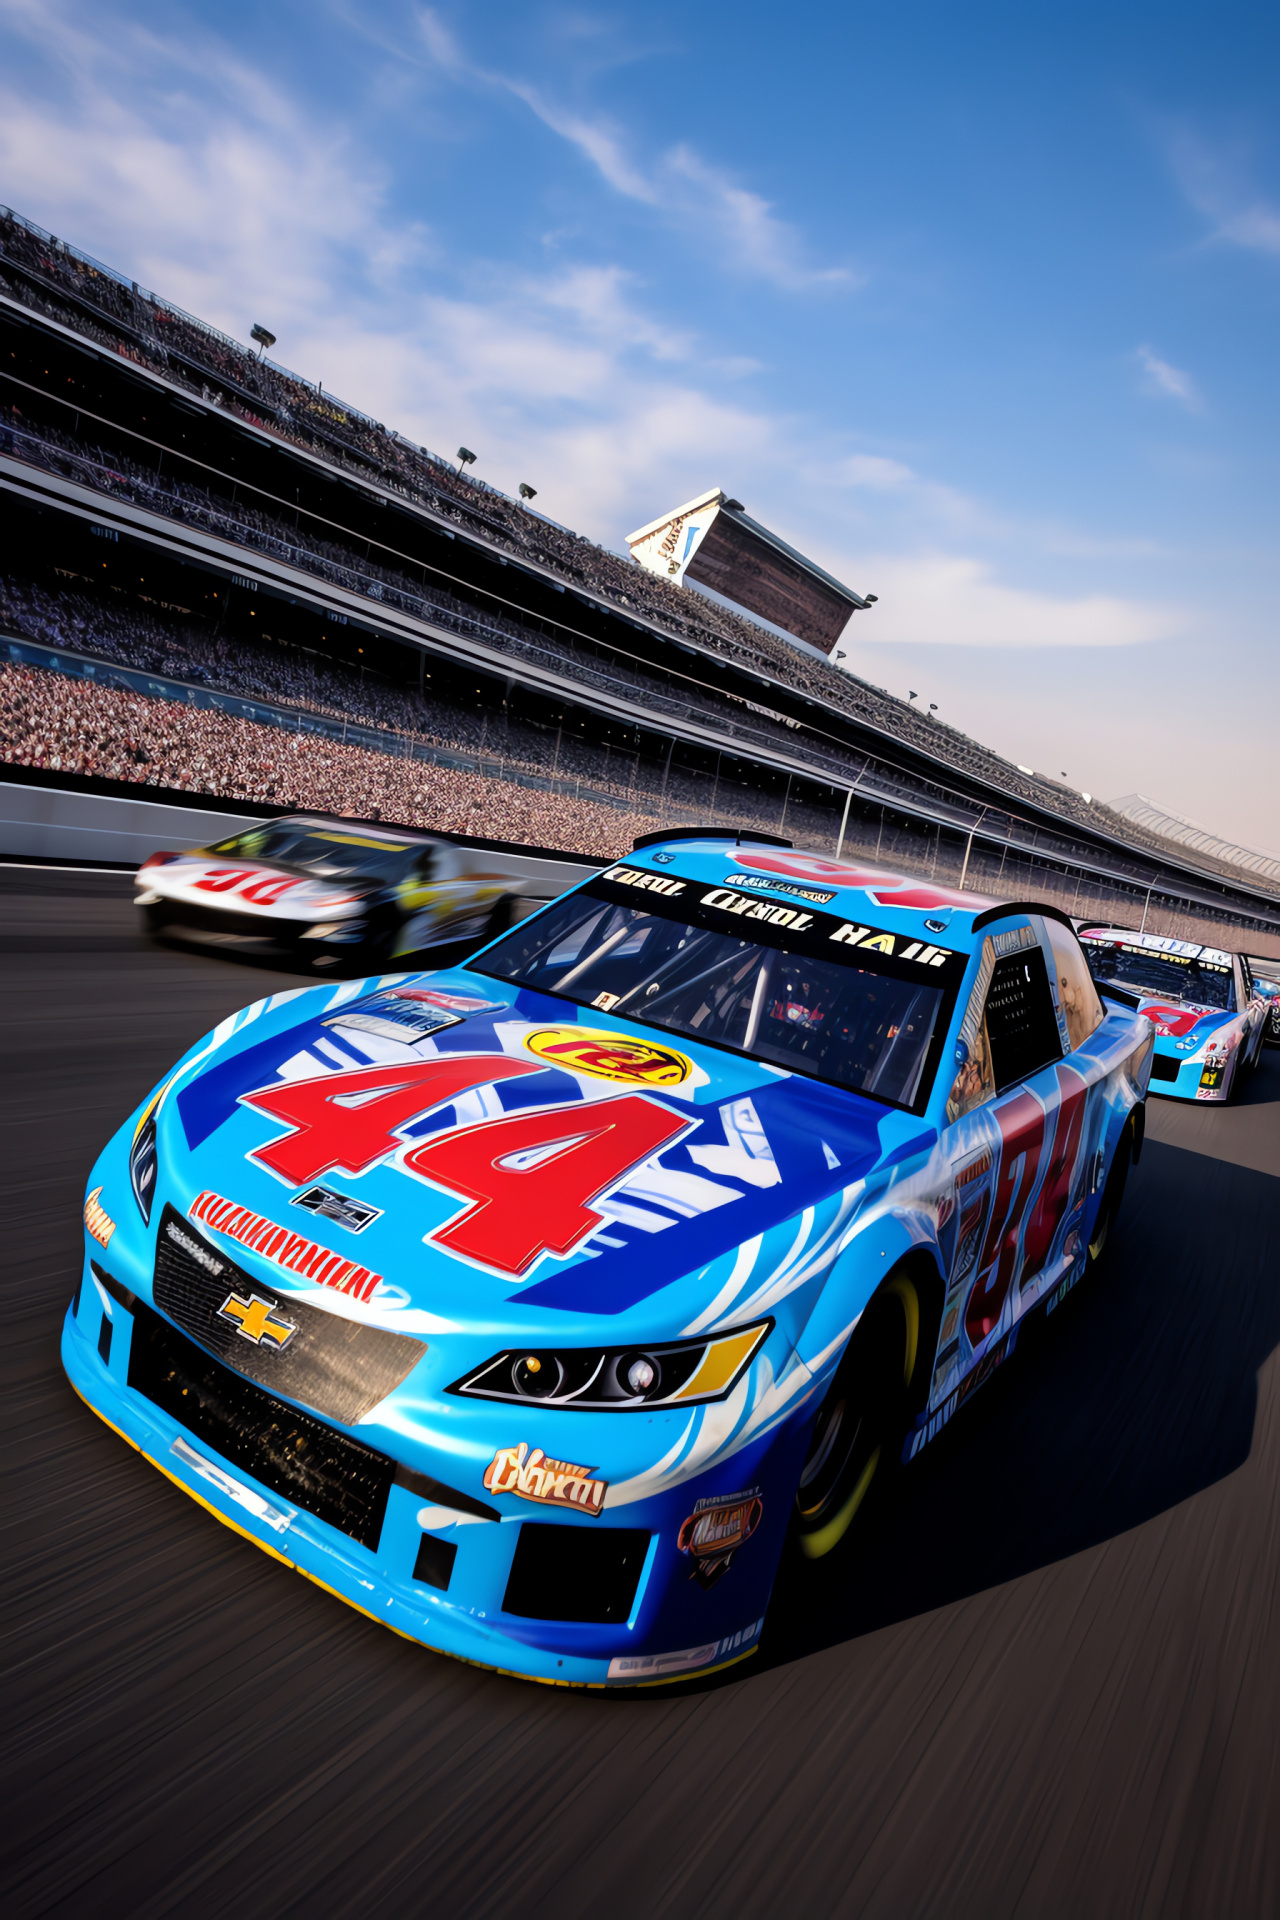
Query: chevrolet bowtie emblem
x,y
257,1320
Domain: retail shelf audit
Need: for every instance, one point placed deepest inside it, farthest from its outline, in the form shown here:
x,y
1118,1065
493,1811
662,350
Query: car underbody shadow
x,y
1138,1392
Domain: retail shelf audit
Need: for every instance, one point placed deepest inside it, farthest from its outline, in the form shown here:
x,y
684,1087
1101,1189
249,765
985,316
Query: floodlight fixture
x,y
933,706
465,458
842,656
871,598
527,492
912,694
264,337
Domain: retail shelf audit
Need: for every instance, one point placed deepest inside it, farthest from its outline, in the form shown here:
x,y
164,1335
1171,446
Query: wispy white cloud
x,y
179,160
1218,183
680,185
1166,381
956,600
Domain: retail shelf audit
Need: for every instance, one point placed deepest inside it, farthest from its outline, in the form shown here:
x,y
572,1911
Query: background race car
x,y
1266,980
535,1305
325,890
1207,1012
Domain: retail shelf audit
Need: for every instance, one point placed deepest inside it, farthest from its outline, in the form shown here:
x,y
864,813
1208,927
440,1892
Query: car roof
x,y
887,897
1158,943
367,829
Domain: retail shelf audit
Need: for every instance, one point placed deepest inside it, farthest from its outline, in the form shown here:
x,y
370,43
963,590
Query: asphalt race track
x,y
1049,1685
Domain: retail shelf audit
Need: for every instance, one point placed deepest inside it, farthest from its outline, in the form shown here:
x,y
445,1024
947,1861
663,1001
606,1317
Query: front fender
x,y
877,1246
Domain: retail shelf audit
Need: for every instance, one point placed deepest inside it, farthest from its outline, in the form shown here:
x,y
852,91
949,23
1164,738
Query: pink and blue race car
x,y
1209,1016
537,1306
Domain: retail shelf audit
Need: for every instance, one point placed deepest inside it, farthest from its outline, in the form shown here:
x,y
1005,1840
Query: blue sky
x,y
978,306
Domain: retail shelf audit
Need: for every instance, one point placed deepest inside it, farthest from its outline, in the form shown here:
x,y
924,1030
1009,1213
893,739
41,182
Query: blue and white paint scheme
x,y
362,1276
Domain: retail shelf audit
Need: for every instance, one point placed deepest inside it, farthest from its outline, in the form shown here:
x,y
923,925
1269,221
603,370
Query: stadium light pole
x,y
964,871
264,337
465,458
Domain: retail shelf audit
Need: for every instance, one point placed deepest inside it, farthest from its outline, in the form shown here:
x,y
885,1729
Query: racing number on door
x,y
1055,1194
532,1175
1021,1123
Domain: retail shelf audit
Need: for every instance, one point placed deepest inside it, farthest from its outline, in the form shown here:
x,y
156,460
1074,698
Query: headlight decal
x,y
618,1379
144,1161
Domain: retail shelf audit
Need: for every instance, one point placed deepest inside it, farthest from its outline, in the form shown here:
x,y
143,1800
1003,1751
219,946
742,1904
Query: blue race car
x,y
533,1306
1207,1012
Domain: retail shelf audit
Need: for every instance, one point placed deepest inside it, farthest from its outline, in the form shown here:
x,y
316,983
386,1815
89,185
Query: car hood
x,y
437,1151
1174,1021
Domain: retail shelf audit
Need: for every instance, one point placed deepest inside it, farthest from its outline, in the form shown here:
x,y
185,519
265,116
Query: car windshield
x,y
328,852
875,1027
1201,983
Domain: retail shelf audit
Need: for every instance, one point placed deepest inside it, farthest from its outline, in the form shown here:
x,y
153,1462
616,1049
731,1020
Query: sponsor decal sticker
x,y
609,1056
344,1211
408,1013
727,901
639,1667
651,882
715,1530
97,1220
780,886
558,1483
319,1265
258,1321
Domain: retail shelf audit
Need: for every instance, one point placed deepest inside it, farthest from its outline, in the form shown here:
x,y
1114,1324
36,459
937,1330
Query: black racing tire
x,y
155,921
1113,1191
860,1426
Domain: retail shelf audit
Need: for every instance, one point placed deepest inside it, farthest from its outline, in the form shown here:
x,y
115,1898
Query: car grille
x,y
327,1474
1162,1068
340,1367
570,1573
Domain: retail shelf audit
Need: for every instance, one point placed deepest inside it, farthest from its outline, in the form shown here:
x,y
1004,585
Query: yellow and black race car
x,y
329,891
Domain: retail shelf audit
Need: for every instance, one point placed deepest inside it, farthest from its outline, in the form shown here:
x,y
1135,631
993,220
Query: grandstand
x,y
198,542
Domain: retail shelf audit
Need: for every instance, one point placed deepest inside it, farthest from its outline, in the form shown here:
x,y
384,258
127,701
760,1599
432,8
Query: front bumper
x,y
677,1626
248,932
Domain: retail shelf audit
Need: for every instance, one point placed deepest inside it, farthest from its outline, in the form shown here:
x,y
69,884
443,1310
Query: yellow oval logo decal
x,y
609,1056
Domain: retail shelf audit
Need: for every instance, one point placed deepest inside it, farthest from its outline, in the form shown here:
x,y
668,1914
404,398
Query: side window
x,y
1021,1025
426,866
1077,995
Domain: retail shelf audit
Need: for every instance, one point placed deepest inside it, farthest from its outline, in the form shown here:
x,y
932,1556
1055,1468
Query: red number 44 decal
x,y
530,1177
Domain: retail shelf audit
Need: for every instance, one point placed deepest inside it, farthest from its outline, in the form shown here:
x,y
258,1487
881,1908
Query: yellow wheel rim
x,y
906,1292
814,1545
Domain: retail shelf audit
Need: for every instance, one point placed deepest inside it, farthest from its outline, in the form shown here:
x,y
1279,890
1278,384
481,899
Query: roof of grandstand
x,y
714,541
1174,826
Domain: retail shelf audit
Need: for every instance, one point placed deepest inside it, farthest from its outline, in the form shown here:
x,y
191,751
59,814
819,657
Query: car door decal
x,y
1055,1191
1021,1120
